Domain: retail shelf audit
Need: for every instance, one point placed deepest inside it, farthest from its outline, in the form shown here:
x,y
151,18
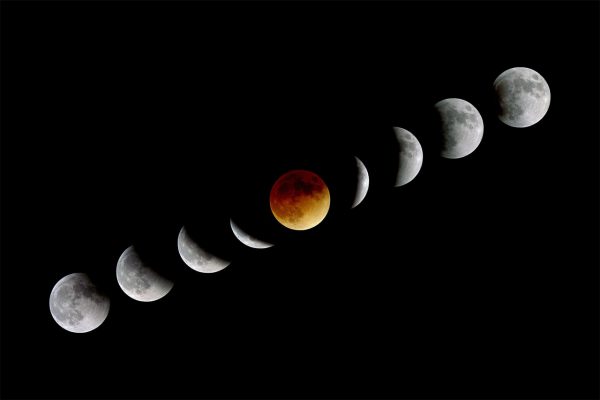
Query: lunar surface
x,y
197,258
138,280
523,97
362,186
461,127
76,304
246,239
410,158
299,200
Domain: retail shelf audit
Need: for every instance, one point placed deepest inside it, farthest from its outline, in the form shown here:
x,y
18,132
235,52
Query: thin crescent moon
x,y
196,257
246,239
363,182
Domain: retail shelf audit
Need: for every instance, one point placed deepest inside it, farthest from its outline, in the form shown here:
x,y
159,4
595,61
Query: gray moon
x,y
197,258
139,281
523,97
362,185
410,157
461,125
76,304
246,239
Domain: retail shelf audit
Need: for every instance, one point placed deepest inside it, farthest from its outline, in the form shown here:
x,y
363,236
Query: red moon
x,y
300,200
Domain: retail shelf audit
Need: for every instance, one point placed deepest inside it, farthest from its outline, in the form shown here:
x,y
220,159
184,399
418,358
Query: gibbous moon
x,y
197,258
76,304
300,200
523,97
362,185
410,158
246,238
139,281
461,127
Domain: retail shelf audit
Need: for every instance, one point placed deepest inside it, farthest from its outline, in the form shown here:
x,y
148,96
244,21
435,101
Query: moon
x,y
461,127
300,200
76,304
362,186
410,158
246,239
139,281
197,258
523,97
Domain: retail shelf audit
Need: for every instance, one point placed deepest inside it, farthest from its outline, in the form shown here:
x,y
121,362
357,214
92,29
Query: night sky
x,y
123,122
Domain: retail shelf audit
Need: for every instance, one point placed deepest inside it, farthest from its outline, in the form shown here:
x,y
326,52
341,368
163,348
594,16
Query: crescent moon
x,y
410,157
362,186
76,304
246,239
196,257
138,280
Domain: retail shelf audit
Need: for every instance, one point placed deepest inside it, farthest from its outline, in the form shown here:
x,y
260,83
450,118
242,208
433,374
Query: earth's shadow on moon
x,y
158,251
213,235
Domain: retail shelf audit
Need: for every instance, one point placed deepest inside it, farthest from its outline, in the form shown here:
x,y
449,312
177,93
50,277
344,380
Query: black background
x,y
122,122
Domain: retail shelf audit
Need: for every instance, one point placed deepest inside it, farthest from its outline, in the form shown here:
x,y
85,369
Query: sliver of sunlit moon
x,y
196,257
246,239
362,182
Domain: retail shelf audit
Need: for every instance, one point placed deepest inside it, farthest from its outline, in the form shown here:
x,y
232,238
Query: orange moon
x,y
300,200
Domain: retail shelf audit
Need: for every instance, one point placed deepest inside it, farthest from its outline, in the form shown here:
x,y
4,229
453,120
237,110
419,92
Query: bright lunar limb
x,y
523,97
246,238
138,280
461,127
362,184
76,304
197,258
410,158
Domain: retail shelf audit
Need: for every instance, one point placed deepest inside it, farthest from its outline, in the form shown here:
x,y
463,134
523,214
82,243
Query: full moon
x,y
138,280
300,200
523,97
461,127
76,304
410,158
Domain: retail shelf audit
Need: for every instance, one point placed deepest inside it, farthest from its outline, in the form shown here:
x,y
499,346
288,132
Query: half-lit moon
x,y
410,158
246,239
196,257
138,280
461,127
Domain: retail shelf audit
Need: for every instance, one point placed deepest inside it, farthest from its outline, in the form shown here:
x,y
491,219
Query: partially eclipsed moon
x,y
461,127
196,257
246,239
76,304
410,158
523,97
138,280
299,200
362,184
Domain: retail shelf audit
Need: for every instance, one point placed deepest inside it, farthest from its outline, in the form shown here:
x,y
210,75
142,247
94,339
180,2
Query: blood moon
x,y
300,200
